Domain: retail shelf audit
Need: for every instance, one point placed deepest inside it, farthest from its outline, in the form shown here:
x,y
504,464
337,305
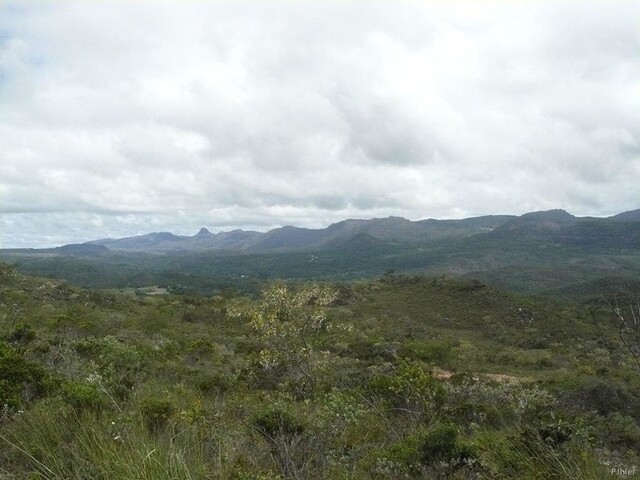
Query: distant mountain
x,y
535,224
361,242
545,251
551,227
153,241
558,227
391,229
80,249
630,216
165,242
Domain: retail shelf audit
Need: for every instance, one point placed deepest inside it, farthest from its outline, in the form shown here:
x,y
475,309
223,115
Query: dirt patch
x,y
442,374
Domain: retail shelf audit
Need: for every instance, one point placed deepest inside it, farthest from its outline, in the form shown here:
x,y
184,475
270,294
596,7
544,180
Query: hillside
x,y
550,252
114,384
550,226
392,229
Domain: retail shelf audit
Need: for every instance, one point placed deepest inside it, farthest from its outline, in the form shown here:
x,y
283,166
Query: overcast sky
x,y
121,118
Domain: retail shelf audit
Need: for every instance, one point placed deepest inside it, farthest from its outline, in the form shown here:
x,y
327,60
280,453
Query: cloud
x,y
118,118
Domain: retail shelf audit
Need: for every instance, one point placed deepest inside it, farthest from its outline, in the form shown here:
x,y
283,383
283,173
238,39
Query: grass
x,y
184,386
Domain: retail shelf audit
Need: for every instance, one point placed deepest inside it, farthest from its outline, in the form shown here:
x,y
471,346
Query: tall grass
x,y
62,443
516,455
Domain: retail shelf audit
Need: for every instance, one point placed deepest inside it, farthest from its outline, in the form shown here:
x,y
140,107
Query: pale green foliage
x,y
286,320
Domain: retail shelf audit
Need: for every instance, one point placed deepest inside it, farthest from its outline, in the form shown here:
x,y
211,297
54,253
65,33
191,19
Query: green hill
x,y
398,377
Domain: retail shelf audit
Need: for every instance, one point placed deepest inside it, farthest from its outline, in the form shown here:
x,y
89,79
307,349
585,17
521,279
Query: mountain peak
x,y
630,216
553,215
204,231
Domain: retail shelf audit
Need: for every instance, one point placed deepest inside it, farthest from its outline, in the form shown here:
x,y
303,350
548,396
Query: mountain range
x,y
548,252
554,225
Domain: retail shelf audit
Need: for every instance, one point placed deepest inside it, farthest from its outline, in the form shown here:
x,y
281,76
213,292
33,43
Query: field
x,y
394,377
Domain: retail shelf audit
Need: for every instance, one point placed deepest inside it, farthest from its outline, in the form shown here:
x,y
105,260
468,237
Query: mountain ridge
x,y
548,224
390,229
537,252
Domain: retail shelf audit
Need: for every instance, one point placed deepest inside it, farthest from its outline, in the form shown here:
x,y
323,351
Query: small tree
x,y
628,323
285,321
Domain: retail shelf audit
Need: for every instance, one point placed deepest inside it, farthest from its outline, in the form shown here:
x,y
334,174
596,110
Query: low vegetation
x,y
398,377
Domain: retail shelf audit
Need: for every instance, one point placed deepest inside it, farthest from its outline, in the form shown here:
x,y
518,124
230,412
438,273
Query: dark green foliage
x,y
603,396
21,381
438,452
401,377
84,396
439,352
156,413
212,384
275,422
619,431
555,434
441,444
21,334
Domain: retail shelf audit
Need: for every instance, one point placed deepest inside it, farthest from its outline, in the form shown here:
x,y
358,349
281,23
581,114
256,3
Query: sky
x,y
119,118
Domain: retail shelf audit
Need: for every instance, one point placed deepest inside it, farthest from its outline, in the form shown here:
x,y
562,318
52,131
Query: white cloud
x,y
118,118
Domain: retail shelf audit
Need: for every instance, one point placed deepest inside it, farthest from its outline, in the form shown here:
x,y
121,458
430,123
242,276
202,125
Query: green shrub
x,y
435,453
441,444
118,363
22,333
604,396
366,349
20,380
213,383
84,396
283,432
277,422
555,434
156,413
435,351
620,431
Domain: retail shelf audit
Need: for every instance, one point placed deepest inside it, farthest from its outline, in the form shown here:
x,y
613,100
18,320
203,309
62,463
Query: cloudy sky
x,y
119,118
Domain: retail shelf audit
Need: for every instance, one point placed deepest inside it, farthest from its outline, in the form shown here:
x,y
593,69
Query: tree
x,y
285,320
628,323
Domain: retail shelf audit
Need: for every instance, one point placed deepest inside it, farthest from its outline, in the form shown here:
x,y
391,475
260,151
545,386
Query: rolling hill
x,y
542,252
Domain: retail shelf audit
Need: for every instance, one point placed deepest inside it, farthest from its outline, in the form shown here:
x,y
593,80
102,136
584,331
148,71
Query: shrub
x,y
441,445
277,422
156,413
118,363
435,453
620,431
22,334
604,396
214,383
20,380
83,396
524,454
283,432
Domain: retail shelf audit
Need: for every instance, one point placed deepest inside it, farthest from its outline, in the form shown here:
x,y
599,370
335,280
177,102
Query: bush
x,y
525,454
20,380
604,396
436,351
83,396
436,453
283,432
21,334
277,422
620,431
212,384
441,444
156,413
554,434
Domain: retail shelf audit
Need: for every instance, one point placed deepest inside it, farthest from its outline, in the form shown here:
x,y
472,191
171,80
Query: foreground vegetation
x,y
399,377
